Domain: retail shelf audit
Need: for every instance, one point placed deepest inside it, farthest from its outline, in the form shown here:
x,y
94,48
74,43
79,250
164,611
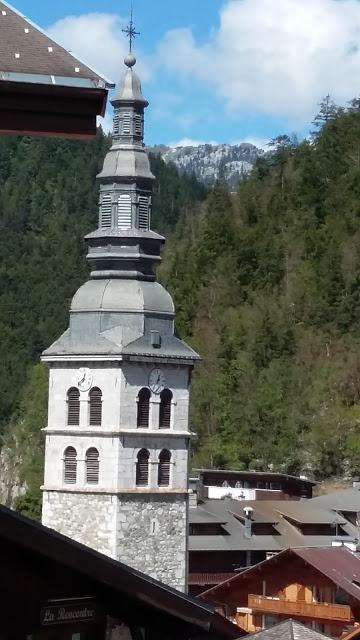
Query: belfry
x,y
117,439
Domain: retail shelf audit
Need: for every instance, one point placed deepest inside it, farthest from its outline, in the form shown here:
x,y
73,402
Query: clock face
x,y
156,380
84,379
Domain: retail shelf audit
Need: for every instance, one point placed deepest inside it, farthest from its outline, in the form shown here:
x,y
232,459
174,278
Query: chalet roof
x,y
28,54
305,513
338,564
341,500
289,630
117,578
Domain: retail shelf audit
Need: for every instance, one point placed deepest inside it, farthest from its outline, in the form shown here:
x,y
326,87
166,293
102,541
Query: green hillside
x,y
265,281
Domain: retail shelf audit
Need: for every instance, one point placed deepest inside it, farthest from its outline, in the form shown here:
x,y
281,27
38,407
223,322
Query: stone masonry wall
x,y
152,536
86,518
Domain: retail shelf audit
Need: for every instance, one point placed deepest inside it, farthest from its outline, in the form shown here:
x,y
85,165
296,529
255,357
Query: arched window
x,y
92,466
143,408
142,468
70,465
95,400
164,468
73,402
165,409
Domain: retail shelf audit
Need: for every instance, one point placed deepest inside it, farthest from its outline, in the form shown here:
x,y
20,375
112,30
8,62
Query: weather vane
x,y
130,31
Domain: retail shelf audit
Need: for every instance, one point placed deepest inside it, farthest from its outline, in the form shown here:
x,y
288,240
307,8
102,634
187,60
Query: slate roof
x,y
341,500
229,512
28,54
289,630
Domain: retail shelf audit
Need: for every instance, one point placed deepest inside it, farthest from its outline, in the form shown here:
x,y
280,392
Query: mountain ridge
x,y
212,162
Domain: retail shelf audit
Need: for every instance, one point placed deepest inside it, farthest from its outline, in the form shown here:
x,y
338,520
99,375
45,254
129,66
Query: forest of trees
x,y
266,283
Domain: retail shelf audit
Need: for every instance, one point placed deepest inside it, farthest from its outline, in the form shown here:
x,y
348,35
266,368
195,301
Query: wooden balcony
x,y
314,610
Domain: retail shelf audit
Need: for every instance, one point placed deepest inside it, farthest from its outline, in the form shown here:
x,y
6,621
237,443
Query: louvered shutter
x,y
73,401
142,468
165,409
164,468
124,211
126,124
70,465
143,212
92,466
143,409
95,399
138,125
105,209
116,124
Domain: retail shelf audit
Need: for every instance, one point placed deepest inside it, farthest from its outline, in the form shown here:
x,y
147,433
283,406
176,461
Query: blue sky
x,y
219,70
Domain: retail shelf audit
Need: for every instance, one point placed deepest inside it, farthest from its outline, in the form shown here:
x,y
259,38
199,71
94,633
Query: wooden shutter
x,y
70,465
95,399
142,468
106,211
92,466
124,211
164,468
73,401
143,409
143,215
165,409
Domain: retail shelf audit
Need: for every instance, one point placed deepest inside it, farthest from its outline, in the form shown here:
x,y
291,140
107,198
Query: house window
x,y
164,468
126,124
165,409
105,211
73,403
70,465
95,401
124,211
143,213
142,468
92,466
143,408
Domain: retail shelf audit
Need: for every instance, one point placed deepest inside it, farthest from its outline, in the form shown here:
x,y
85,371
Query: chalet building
x,y
228,535
44,90
251,485
317,587
53,588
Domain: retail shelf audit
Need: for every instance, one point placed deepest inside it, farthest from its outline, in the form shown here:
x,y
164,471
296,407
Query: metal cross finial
x,y
130,31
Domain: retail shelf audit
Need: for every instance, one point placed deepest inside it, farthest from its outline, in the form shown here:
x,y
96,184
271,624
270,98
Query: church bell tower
x,y
117,439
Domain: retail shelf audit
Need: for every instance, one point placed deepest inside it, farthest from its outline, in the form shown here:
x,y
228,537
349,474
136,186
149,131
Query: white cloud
x,y
276,57
97,39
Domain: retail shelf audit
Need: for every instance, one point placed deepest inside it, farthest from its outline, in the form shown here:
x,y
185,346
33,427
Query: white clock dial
x,y
156,380
84,379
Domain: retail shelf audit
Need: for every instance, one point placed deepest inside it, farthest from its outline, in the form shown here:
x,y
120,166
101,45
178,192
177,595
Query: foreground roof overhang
x,y
44,89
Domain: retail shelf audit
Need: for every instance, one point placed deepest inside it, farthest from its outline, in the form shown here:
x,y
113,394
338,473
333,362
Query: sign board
x,y
68,612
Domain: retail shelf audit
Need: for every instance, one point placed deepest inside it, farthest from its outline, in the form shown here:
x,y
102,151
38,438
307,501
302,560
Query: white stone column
x,y
154,412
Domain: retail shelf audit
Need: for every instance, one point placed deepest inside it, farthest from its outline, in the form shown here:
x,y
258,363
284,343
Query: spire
x,y
126,184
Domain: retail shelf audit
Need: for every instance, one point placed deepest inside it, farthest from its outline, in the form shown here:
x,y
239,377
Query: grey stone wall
x,y
85,517
152,536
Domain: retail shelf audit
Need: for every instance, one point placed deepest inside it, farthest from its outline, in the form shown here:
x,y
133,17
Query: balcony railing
x,y
315,610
